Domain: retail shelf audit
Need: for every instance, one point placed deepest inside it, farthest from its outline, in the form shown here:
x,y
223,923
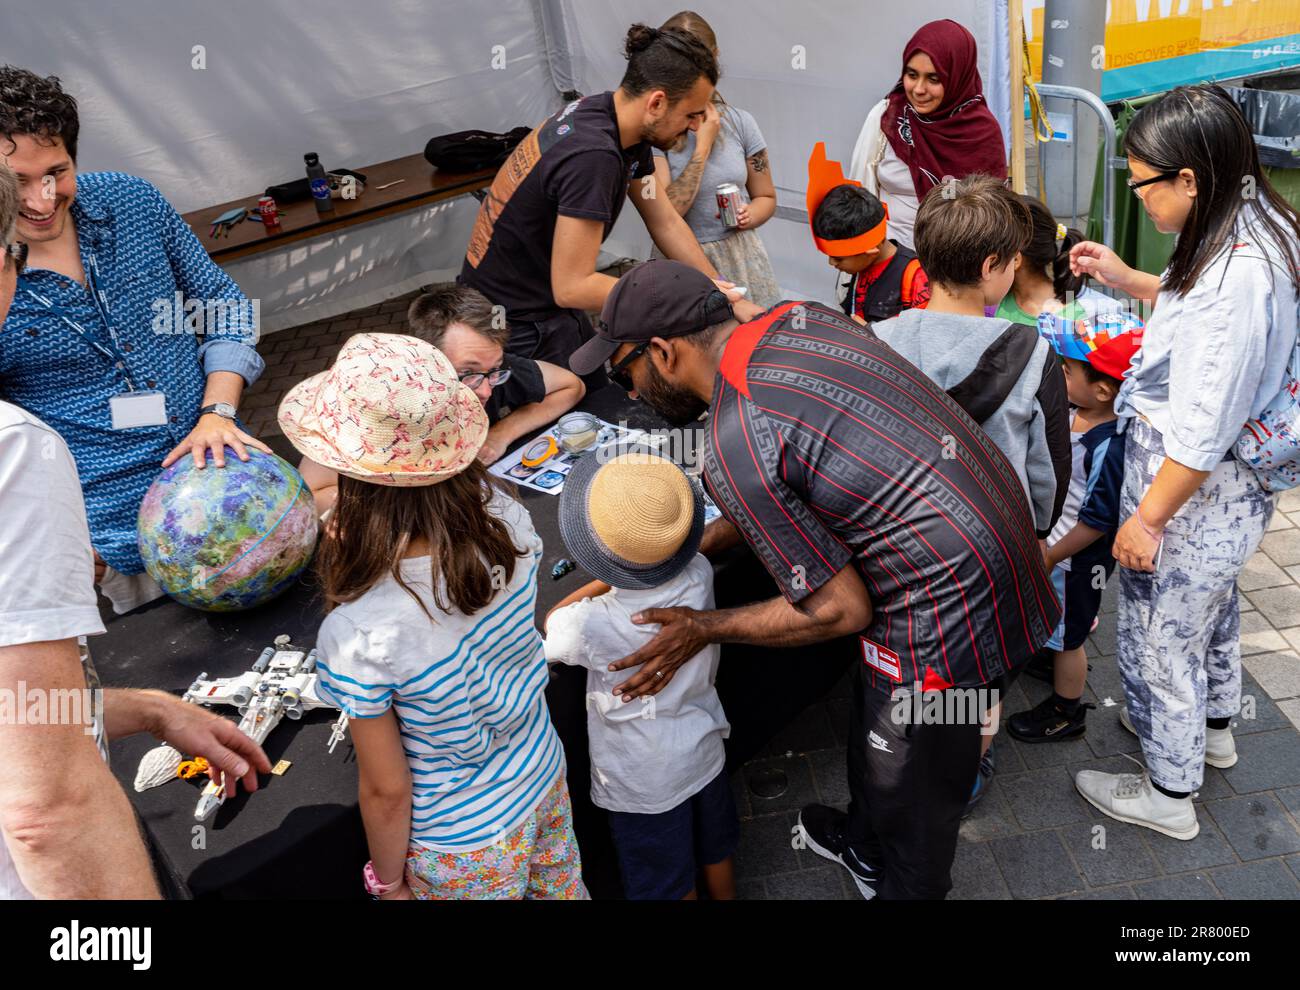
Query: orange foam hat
x,y
823,176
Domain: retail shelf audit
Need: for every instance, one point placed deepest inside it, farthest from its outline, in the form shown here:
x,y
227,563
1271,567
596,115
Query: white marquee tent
x,y
215,101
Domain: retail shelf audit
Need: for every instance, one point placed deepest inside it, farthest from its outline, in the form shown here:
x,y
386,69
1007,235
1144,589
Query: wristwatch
x,y
224,409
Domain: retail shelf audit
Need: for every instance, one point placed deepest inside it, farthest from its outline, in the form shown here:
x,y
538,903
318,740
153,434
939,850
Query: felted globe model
x,y
227,539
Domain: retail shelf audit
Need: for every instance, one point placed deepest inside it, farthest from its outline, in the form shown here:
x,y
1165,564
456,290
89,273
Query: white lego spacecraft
x,y
281,683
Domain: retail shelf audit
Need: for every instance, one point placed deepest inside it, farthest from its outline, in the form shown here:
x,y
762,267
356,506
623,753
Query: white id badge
x,y
133,409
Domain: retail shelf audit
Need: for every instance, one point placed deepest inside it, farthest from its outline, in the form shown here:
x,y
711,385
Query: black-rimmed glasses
x,y
1135,186
495,377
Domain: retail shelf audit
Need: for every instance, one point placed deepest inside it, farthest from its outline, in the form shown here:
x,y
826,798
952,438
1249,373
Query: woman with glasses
x,y
519,394
1214,353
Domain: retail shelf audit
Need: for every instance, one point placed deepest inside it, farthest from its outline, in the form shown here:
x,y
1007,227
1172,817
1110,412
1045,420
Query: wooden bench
x,y
422,185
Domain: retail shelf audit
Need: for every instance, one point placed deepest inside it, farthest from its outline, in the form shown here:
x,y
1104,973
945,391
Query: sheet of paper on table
x,y
549,475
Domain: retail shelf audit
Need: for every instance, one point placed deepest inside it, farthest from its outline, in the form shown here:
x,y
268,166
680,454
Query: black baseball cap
x,y
657,298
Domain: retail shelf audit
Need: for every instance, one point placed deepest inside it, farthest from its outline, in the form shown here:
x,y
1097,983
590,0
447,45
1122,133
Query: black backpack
x,y
472,151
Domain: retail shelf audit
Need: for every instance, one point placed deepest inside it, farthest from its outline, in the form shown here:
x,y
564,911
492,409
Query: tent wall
x,y
852,57
366,82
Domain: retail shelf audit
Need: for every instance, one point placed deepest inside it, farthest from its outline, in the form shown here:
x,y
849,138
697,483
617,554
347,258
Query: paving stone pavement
x,y
1032,836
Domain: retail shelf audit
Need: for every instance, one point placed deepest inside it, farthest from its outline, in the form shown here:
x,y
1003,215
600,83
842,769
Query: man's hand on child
x,y
680,638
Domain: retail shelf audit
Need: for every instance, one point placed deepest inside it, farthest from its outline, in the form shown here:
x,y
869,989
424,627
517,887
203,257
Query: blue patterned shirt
x,y
147,265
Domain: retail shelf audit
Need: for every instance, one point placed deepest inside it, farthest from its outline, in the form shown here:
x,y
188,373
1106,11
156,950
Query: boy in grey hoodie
x,y
969,235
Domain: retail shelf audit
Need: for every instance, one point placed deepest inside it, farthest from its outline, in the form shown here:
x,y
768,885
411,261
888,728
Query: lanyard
x,y
113,354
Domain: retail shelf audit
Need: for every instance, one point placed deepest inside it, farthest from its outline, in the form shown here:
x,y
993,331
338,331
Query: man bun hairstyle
x,y
847,211
431,313
36,105
666,59
962,222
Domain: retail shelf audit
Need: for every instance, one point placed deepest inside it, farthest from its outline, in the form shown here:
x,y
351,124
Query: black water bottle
x,y
320,183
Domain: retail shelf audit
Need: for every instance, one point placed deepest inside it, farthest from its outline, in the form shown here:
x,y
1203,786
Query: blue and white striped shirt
x,y
149,267
467,691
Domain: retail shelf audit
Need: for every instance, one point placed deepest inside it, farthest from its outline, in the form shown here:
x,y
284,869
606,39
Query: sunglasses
x,y
17,251
495,377
618,373
1135,186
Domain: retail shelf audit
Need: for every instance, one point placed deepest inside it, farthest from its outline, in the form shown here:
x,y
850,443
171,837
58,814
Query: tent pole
x,y
1016,24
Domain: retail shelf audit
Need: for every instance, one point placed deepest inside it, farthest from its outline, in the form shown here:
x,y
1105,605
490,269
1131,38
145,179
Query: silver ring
x,y
659,673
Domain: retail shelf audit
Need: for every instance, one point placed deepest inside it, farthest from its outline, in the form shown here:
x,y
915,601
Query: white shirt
x,y
1073,497
466,689
898,192
650,755
1217,356
47,569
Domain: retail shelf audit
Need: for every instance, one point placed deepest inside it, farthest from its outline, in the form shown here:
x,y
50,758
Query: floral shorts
x,y
538,860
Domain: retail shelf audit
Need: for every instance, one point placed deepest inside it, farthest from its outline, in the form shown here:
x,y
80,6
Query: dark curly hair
x,y
38,106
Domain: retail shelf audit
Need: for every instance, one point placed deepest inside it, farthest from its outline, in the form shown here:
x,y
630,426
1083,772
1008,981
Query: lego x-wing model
x,y
282,682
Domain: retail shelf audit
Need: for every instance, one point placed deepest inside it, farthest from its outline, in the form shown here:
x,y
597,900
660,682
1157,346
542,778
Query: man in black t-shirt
x,y
882,512
536,241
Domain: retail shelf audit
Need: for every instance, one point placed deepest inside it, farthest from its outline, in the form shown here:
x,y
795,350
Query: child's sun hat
x,y
633,520
391,411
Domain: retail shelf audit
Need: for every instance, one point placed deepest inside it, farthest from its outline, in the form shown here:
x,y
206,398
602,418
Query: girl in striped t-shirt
x,y
430,577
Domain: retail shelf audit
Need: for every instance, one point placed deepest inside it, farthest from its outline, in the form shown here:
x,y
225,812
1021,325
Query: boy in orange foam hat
x,y
848,226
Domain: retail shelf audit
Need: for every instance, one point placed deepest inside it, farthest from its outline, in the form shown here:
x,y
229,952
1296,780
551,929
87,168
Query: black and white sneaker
x,y
821,830
1048,722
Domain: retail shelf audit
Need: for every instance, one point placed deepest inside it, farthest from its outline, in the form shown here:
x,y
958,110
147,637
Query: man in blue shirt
x,y
102,340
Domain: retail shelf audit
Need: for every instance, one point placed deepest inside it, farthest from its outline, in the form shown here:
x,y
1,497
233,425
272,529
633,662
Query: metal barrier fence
x,y
1113,164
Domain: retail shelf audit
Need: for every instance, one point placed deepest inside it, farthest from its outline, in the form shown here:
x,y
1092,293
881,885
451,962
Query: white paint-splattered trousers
x,y
1179,628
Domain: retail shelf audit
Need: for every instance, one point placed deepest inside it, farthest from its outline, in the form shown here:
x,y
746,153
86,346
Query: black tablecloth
x,y
301,834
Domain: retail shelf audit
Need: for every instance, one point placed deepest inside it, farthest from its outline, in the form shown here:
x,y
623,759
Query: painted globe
x,y
227,539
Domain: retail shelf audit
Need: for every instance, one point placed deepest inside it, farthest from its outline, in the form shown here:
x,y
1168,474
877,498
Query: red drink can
x,y
270,215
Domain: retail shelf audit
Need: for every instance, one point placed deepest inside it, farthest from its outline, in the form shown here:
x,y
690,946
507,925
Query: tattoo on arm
x,y
683,190
759,162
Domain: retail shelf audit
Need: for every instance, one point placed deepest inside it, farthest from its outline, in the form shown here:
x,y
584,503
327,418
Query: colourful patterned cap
x,y
391,411
1107,342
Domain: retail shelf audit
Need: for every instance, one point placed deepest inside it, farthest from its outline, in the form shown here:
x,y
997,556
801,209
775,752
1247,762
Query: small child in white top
x,y
658,762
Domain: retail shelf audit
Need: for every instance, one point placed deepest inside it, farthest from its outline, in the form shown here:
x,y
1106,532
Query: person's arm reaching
x,y
1100,262
213,432
575,283
839,607
719,536
66,822
667,228
564,390
189,729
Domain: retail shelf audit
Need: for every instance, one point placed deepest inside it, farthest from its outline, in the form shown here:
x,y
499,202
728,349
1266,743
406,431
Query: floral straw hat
x,y
391,411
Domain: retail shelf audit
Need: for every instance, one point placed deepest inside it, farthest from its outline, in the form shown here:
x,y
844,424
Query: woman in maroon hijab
x,y
934,123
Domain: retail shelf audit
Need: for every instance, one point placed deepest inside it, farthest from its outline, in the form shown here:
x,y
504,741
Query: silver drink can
x,y
728,198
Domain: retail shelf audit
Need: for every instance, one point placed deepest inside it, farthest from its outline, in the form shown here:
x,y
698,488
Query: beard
x,y
679,406
663,141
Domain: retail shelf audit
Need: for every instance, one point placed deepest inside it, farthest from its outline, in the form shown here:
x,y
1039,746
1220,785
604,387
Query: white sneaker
x,y
1129,797
1220,749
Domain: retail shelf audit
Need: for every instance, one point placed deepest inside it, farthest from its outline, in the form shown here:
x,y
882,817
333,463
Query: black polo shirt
x,y
824,446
